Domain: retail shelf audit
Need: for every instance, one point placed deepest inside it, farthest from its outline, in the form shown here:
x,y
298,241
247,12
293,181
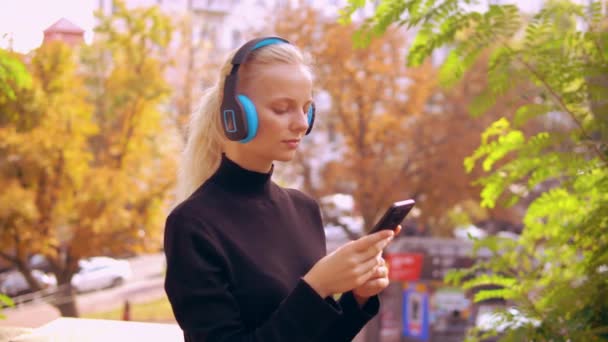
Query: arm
x,y
353,318
356,312
198,287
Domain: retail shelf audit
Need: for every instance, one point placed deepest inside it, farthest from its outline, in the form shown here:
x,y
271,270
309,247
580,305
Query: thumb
x,y
364,243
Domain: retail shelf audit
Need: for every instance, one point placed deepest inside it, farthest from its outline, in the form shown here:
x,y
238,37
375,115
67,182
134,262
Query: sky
x,y
25,20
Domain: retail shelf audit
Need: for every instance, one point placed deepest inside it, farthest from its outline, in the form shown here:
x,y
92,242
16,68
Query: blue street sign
x,y
415,314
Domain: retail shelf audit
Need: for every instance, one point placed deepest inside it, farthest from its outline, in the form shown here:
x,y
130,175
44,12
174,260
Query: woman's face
x,y
282,94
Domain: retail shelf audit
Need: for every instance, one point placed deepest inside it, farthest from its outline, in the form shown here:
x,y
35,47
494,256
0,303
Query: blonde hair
x,y
203,151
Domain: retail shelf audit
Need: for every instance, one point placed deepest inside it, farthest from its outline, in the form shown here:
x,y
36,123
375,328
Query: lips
x,y
292,143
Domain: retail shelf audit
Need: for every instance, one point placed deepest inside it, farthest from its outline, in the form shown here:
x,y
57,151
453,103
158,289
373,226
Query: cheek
x,y
271,125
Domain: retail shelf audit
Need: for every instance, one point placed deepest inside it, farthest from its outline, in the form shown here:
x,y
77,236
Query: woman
x,y
246,258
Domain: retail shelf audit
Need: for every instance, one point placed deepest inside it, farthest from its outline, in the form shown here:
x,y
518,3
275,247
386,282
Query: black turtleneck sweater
x,y
237,250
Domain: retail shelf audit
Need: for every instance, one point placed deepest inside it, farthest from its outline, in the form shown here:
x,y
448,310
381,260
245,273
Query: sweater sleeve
x,y
353,318
198,287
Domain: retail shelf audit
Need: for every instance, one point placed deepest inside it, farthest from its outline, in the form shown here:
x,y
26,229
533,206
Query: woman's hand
x,y
350,266
377,282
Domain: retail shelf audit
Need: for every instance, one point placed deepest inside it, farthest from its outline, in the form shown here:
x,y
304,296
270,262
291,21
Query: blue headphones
x,y
238,113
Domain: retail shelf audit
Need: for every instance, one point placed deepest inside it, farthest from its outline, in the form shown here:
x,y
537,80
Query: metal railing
x,y
55,295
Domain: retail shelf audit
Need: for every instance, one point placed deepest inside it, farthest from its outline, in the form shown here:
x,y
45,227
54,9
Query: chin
x,y
285,157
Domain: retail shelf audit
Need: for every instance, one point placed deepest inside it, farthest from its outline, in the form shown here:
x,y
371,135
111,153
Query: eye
x,y
281,107
282,110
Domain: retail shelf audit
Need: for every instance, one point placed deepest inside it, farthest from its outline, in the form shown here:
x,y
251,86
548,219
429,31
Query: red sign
x,y
404,266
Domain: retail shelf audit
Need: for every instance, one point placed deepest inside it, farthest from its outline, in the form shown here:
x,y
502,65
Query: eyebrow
x,y
288,99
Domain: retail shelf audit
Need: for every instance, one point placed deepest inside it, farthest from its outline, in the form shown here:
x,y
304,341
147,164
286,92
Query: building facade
x,y
65,31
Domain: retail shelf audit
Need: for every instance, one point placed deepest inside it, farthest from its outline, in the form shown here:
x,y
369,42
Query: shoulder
x,y
193,215
190,229
307,210
184,211
301,198
201,204
181,224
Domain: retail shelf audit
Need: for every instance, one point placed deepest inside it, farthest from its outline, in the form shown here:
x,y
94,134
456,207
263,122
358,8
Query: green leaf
x,y
13,75
493,294
5,300
455,276
452,69
489,279
482,103
529,111
507,143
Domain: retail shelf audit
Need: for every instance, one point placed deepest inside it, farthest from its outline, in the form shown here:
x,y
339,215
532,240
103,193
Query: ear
x,y
251,117
311,117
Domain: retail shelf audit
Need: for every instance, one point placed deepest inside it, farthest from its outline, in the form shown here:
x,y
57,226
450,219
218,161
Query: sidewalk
x,y
37,314
95,330
6,334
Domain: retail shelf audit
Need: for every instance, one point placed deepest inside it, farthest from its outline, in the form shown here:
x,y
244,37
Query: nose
x,y
299,121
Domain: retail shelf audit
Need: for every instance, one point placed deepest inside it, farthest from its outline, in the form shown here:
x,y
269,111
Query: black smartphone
x,y
394,215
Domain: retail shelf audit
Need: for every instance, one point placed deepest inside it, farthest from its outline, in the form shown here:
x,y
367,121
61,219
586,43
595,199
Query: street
x,y
145,285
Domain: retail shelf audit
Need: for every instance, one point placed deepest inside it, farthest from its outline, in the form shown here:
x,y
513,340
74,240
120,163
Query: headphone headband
x,y
241,55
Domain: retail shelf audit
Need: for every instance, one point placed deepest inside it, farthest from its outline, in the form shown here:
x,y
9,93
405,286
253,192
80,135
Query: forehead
x,y
278,80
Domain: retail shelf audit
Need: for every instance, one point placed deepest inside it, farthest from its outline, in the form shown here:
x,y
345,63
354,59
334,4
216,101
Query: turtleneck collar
x,y
235,178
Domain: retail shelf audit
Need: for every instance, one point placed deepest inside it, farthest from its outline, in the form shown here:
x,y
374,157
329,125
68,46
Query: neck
x,y
235,178
249,162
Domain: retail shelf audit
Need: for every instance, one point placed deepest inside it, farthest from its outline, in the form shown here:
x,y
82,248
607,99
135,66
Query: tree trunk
x,y
65,301
27,274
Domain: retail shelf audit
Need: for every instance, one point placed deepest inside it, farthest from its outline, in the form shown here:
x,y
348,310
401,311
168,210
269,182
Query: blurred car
x,y
40,262
14,284
100,273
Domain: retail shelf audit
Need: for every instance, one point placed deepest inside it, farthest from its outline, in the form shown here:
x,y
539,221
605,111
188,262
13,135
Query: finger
x,y
376,249
378,284
378,273
365,242
375,286
365,277
376,262
368,266
383,270
398,230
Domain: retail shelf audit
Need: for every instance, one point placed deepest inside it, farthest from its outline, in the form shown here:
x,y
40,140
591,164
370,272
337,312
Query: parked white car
x,y
14,284
100,272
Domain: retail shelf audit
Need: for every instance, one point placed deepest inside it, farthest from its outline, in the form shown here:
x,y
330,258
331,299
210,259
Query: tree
x,y
193,66
368,92
90,175
556,271
39,158
14,79
397,135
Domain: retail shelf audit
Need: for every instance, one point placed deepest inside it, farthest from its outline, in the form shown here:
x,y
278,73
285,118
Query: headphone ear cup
x,y
250,117
311,117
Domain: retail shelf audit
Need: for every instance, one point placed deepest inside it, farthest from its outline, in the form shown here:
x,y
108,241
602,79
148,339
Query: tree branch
x,y
8,257
560,101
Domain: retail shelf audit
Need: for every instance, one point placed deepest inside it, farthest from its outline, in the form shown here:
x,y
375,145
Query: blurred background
x,y
95,96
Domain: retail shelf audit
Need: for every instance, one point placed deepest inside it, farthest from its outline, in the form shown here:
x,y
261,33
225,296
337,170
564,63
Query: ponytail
x,y
203,150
